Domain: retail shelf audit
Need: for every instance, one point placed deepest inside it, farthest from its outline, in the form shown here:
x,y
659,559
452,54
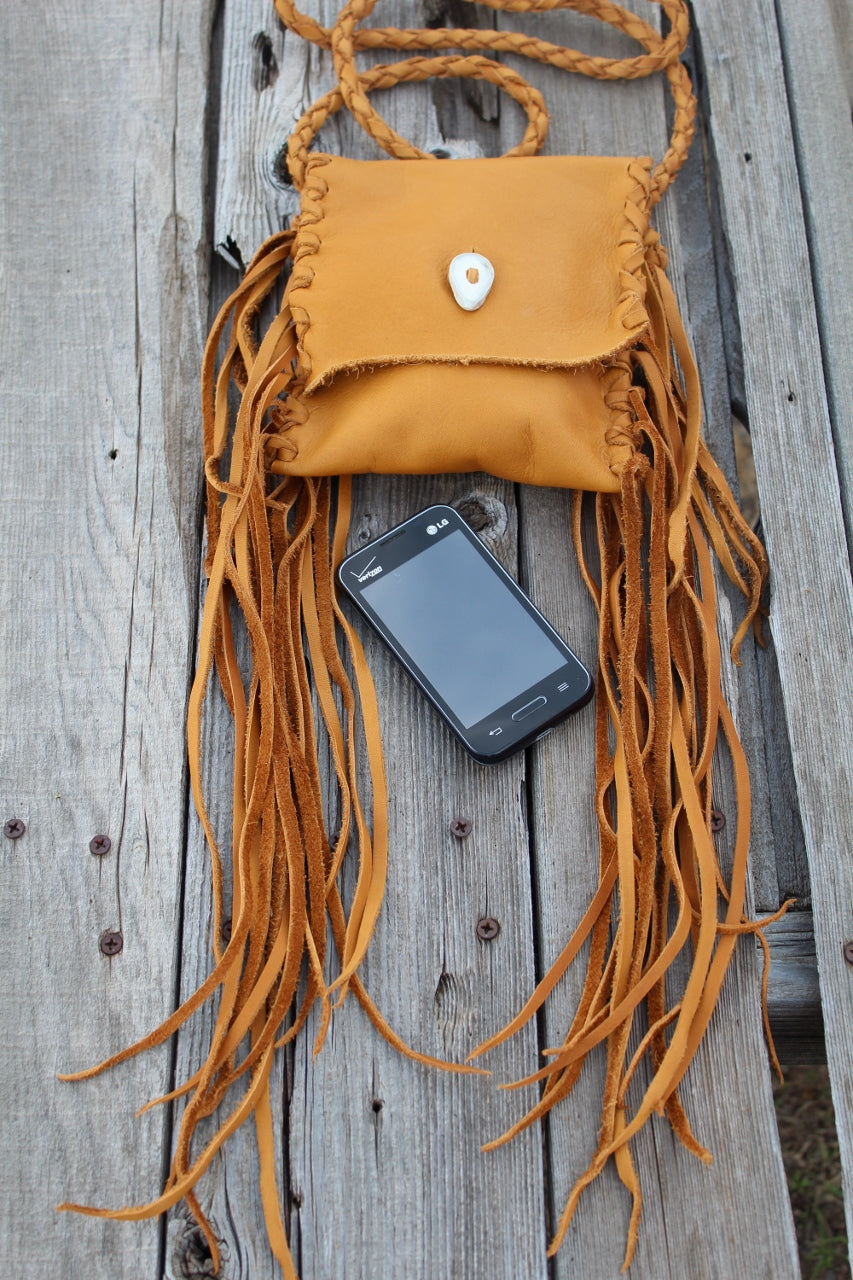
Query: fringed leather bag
x,y
576,374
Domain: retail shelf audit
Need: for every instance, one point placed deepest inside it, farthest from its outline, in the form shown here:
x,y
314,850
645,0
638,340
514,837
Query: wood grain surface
x,y
103,260
816,47
142,150
384,1157
812,597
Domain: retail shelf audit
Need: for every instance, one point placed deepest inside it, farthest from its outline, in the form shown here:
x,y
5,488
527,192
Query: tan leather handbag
x,y
565,363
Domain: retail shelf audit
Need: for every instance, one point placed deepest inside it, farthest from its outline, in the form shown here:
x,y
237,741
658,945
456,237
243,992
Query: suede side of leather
x,y
532,426
392,376
376,238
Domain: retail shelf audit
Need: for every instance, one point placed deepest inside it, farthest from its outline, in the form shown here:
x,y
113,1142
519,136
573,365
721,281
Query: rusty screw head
x,y
111,942
99,845
488,928
718,820
848,951
460,828
14,828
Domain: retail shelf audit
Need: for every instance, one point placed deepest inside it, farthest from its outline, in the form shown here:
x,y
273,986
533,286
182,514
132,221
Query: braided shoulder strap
x,y
346,39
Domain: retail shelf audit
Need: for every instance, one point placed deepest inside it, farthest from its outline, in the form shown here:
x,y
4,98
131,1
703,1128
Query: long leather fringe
x,y
272,549
660,714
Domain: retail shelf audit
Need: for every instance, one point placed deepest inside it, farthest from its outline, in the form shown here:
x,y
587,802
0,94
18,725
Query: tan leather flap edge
x,y
565,235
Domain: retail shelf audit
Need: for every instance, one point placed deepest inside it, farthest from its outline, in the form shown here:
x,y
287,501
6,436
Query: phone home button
x,y
529,708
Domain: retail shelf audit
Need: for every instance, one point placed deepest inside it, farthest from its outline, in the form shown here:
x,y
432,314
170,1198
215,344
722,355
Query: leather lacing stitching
x,y
633,247
622,436
306,247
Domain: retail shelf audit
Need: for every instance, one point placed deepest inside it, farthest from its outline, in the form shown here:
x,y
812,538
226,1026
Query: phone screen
x,y
472,639
478,648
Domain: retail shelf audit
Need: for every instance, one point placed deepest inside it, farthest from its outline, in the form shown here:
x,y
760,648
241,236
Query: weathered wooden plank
x,y
257,109
104,281
793,998
797,481
697,1221
350,1081
408,1181
377,1172
816,47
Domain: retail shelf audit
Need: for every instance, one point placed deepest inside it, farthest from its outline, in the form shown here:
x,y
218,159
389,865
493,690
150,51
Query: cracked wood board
x,y
104,262
697,1220
377,1150
812,600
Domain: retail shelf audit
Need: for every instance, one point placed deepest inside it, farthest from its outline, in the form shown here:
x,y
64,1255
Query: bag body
x,y
393,376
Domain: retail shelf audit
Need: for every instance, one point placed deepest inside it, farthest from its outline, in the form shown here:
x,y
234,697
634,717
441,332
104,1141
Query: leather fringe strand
x,y
660,714
272,550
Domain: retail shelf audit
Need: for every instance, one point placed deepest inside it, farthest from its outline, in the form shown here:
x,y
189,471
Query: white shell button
x,y
470,277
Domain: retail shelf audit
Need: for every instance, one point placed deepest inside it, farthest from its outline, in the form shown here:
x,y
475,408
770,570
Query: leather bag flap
x,y
565,235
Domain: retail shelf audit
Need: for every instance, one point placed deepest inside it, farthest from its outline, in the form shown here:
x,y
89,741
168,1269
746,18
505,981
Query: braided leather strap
x,y
414,70
408,39
345,40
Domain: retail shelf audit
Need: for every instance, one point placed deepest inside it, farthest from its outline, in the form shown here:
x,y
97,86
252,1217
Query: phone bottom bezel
x,y
475,738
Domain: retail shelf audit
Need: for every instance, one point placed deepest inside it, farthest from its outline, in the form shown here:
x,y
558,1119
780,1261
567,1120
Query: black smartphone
x,y
483,654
